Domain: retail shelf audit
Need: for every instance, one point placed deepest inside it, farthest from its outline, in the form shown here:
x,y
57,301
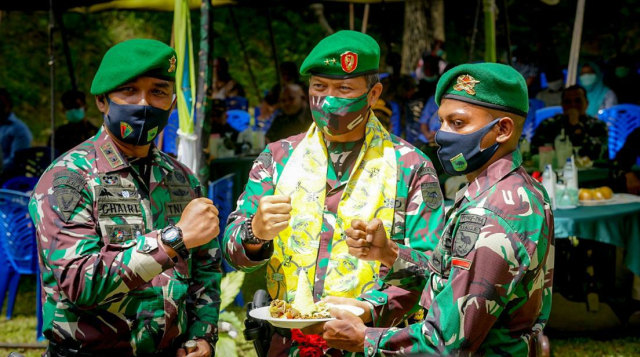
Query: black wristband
x,y
249,237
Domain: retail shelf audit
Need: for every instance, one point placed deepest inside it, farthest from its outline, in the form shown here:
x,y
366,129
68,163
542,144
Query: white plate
x,y
262,313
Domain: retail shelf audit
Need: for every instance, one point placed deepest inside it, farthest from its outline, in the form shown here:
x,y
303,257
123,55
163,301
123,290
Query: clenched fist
x,y
199,223
272,216
368,241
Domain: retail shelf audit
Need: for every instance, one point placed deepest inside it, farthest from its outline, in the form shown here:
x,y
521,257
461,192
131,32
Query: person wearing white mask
x,y
552,95
598,95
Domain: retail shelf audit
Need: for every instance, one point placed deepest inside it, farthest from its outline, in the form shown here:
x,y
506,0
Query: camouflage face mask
x,y
336,115
460,154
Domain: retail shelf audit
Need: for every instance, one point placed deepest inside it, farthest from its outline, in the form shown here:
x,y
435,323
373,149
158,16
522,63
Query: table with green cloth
x,y
617,224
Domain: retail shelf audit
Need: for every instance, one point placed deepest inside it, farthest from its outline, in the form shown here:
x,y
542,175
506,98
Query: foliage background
x,y
610,29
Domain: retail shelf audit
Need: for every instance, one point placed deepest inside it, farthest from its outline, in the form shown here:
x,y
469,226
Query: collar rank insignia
x,y
349,61
466,83
172,64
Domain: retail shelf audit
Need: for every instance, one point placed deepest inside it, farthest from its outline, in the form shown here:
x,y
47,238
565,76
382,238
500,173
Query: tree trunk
x,y
437,20
416,37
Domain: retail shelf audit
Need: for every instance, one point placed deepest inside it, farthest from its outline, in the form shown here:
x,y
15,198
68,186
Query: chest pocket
x,y
120,214
180,194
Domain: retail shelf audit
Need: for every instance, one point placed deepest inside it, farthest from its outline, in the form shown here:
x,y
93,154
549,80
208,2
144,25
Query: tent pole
x,y
274,49
205,61
65,48
52,76
244,52
574,54
365,18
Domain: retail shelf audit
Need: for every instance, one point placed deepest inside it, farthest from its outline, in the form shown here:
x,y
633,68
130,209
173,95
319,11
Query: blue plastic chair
x,y
238,119
528,129
545,113
21,183
221,193
396,127
621,119
18,250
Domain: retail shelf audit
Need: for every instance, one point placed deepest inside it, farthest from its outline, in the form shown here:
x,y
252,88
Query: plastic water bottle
x,y
570,174
549,184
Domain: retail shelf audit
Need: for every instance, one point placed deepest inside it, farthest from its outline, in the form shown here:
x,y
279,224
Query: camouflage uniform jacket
x,y
488,283
107,284
590,134
418,215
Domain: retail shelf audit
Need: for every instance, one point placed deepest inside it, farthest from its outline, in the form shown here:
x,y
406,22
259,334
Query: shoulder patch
x,y
431,194
425,170
67,199
70,179
469,227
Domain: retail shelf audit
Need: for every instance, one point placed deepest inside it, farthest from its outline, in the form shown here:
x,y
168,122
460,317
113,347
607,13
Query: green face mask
x,y
337,115
75,115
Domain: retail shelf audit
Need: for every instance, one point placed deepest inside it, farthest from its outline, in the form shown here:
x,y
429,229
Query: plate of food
x,y
595,196
302,312
282,314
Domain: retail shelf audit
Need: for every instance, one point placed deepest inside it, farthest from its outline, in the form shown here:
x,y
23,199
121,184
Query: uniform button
x,y
381,299
370,351
146,248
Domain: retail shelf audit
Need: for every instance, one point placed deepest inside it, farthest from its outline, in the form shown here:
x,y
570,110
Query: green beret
x,y
344,54
491,85
133,58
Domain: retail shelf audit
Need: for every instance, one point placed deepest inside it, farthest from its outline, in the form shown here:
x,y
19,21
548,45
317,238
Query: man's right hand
x,y
368,241
272,216
199,222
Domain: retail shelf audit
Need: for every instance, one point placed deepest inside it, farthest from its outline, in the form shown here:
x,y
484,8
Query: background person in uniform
x,y
488,282
293,117
304,190
584,131
14,133
130,264
78,128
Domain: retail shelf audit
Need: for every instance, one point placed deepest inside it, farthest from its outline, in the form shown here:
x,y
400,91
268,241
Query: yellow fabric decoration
x,y
370,193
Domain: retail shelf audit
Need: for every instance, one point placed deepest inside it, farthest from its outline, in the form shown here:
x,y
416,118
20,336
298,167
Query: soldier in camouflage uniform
x,y
127,251
301,189
487,286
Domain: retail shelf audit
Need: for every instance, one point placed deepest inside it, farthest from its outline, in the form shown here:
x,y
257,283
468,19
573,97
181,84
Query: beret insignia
x,y
466,83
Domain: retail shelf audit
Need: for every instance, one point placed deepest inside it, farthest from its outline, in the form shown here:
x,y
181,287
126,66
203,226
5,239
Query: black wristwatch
x,y
172,236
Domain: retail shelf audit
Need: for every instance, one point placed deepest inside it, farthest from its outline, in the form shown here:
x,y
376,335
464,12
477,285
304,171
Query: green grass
x,y
21,329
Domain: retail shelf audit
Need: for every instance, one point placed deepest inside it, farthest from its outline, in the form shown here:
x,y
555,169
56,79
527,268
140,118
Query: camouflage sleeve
x,y
398,293
462,312
203,302
87,271
260,184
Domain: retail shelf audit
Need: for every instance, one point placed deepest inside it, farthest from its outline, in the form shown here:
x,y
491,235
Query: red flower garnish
x,y
309,345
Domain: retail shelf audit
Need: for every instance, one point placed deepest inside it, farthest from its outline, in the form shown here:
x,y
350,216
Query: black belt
x,y
59,350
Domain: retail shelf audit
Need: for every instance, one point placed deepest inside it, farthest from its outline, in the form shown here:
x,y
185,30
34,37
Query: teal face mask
x,y
588,79
336,115
75,115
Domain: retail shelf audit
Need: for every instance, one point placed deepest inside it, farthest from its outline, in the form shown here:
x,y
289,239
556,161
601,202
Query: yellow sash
x,y
370,193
